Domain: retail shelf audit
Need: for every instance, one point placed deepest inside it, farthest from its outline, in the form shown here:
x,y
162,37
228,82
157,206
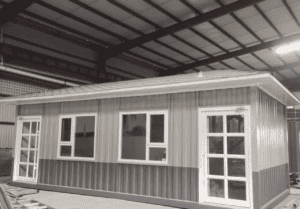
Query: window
x,y
77,136
144,137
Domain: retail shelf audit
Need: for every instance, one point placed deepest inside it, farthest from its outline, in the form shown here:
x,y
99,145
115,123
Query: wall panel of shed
x,y
77,107
271,132
30,110
7,131
49,131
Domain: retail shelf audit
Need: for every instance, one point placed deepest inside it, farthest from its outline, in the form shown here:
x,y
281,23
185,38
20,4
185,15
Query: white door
x,y
27,149
225,156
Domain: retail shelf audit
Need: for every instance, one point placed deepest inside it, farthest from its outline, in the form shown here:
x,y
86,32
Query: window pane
x,y
215,145
236,167
216,188
84,136
22,170
134,137
31,156
235,123
65,151
33,127
24,143
26,126
157,128
216,166
158,154
237,190
235,145
66,129
30,171
32,142
24,156
215,124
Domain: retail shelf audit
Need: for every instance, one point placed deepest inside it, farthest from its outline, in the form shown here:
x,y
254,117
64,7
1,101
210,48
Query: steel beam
x,y
12,9
123,47
237,53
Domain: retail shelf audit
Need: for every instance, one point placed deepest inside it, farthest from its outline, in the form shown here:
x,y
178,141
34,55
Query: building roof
x,y
209,80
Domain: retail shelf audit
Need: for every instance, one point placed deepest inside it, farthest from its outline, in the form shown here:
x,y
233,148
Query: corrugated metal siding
x,y
29,110
86,106
49,131
7,136
224,97
270,124
273,181
7,113
108,130
145,102
7,132
157,181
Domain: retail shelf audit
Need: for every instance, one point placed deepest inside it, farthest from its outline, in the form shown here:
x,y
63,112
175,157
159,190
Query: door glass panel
x,y
216,188
26,127
25,141
37,141
215,145
33,127
157,129
235,123
30,171
237,190
32,141
65,151
22,170
216,166
215,124
157,154
24,156
31,156
66,129
235,145
37,155
236,167
38,126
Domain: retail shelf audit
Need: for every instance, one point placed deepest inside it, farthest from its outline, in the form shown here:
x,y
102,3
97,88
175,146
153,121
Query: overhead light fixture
x,y
292,47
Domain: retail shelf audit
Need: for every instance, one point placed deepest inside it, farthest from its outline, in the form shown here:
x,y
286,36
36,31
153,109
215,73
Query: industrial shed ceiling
x,y
135,39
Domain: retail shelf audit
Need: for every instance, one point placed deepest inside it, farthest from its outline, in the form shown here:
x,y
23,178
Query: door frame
x,y
17,147
202,149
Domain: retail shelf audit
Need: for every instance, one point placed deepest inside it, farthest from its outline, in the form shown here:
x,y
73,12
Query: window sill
x,y
137,162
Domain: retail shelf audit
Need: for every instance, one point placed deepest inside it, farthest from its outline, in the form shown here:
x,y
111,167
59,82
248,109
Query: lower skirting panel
x,y
147,180
269,183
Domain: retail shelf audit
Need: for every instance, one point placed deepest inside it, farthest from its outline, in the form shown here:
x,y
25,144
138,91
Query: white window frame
x,y
203,154
148,144
72,136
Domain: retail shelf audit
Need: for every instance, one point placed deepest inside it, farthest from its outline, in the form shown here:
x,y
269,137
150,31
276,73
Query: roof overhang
x,y
265,81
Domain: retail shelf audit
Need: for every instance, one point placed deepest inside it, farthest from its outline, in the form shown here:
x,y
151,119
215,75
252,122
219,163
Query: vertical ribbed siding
x,y
293,145
108,130
49,131
7,113
30,110
77,107
183,130
7,136
271,132
145,102
224,97
156,181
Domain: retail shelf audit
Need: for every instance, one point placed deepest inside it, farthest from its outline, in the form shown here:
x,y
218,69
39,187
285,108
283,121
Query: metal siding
x,y
235,96
145,102
147,180
7,136
76,107
49,131
30,110
7,113
293,148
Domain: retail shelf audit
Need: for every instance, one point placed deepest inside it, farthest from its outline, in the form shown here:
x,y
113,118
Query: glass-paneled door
x,y
225,149
27,149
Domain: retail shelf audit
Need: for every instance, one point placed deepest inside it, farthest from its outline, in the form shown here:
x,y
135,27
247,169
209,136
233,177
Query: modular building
x,y
217,139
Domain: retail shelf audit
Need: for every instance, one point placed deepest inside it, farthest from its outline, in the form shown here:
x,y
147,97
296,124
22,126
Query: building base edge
x,y
276,200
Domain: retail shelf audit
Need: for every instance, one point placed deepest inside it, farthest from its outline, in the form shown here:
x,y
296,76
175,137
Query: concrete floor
x,y
67,201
